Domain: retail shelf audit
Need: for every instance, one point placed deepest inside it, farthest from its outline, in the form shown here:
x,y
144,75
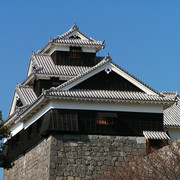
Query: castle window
x,y
106,118
69,122
30,134
75,52
55,82
19,103
64,121
38,126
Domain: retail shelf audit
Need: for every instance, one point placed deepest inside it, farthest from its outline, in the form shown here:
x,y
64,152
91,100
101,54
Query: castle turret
x,y
76,113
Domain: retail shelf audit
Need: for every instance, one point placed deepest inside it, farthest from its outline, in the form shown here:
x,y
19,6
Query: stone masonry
x,y
74,157
34,165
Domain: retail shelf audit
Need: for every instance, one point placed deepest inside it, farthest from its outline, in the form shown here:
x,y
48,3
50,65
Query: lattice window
x,y
75,52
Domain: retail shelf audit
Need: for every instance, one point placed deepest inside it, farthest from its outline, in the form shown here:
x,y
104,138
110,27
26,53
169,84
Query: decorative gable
x,y
74,38
23,97
104,75
106,80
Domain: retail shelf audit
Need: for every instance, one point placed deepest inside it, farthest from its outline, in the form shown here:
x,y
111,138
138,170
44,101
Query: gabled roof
x,y
71,30
44,65
172,114
107,65
73,37
25,94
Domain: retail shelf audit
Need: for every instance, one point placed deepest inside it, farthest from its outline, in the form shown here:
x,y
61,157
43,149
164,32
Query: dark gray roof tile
x,y
172,115
109,95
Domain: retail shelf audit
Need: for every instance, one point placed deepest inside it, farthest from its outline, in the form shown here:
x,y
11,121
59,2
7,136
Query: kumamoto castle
x,y
76,113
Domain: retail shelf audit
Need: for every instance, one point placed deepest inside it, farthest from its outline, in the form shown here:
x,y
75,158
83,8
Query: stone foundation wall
x,y
74,157
34,165
85,157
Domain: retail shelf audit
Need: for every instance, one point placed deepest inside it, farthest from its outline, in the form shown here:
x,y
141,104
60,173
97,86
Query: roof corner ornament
x,y
103,45
108,57
176,98
75,27
50,39
18,85
17,97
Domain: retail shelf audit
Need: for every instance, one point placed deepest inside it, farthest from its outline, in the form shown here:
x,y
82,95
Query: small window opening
x,y
106,118
55,82
75,52
17,140
38,127
19,103
30,134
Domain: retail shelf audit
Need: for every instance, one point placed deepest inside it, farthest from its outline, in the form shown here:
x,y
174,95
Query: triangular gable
x,y
30,67
23,96
107,81
73,37
107,66
33,66
73,33
15,100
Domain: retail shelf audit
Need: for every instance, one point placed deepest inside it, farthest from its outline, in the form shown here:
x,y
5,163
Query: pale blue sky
x,y
141,36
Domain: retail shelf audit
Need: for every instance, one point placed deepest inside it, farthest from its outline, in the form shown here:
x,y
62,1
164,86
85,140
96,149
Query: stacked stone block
x,y
74,157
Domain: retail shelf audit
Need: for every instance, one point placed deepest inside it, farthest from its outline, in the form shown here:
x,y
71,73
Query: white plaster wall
x,y
174,133
107,106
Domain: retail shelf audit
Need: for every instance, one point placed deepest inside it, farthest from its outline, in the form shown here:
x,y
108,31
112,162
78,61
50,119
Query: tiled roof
x,y
88,41
64,39
71,30
172,115
26,94
107,95
78,41
44,65
155,135
102,62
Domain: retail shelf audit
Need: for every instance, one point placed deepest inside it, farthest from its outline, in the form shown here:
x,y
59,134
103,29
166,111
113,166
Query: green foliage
x,y
4,133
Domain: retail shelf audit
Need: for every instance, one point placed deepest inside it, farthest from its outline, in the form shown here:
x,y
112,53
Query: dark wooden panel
x,y
65,121
41,84
104,81
74,58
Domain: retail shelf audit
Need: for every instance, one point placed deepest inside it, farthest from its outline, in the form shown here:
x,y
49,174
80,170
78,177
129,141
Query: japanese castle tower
x,y
76,113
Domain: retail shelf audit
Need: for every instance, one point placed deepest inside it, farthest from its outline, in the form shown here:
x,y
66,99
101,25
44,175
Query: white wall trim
x,y
14,101
127,107
16,128
40,113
